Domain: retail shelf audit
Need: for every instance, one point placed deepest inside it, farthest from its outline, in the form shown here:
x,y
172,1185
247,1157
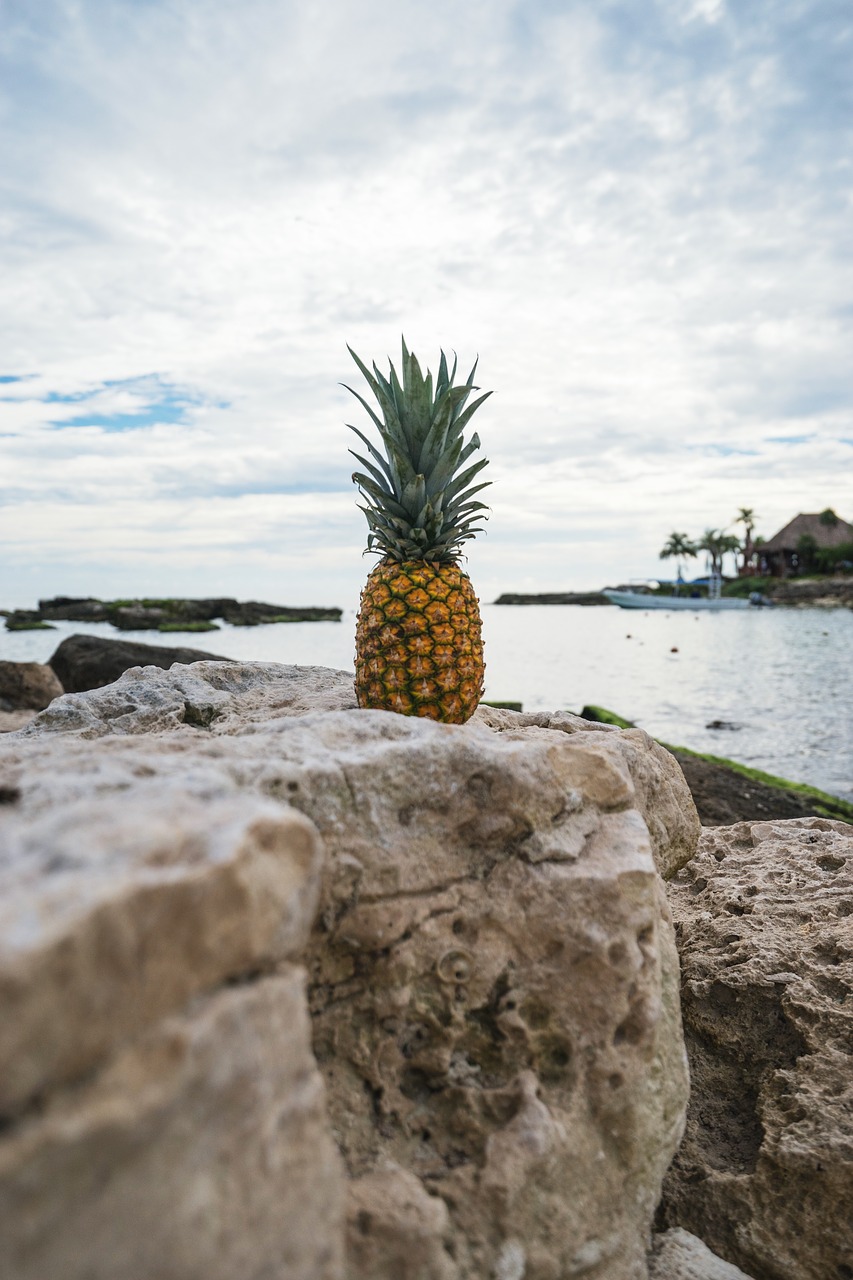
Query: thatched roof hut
x,y
783,552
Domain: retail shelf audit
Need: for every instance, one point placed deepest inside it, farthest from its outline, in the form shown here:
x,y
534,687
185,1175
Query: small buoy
x,y
628,636
674,649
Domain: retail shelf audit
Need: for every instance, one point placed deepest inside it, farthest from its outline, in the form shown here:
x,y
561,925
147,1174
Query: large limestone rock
x,y
115,911
765,921
201,1151
656,777
163,1110
235,698
493,976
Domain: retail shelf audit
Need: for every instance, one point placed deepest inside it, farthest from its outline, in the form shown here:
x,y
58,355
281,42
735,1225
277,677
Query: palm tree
x,y
746,517
718,544
680,546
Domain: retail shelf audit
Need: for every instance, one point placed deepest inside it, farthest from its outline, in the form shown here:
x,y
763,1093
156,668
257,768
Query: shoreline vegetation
x,y
166,615
835,592
725,791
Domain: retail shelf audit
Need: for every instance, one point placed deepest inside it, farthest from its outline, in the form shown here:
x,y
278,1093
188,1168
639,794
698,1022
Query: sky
x,y
638,216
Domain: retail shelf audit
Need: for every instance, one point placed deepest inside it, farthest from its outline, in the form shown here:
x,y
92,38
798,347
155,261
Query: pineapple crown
x,y
419,500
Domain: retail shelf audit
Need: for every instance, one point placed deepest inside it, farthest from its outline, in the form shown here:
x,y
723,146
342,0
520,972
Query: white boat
x,y
644,600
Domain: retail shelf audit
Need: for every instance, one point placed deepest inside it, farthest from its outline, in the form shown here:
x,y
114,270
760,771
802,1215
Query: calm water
x,y
783,677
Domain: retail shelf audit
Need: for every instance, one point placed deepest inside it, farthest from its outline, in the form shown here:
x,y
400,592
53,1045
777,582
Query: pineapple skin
x,y
419,646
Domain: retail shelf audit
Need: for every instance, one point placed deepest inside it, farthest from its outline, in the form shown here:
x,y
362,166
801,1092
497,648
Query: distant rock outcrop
x,y
554,597
164,614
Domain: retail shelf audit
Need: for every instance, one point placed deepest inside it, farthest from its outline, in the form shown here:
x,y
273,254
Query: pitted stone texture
x,y
396,1228
200,1152
493,974
216,699
27,686
765,921
677,1255
511,1037
660,791
116,909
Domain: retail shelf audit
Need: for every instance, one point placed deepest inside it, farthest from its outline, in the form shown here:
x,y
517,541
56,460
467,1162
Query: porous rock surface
x,y
161,1106
115,911
235,698
492,975
764,915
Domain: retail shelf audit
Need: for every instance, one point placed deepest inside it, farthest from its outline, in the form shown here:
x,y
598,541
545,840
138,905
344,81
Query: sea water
x,y
779,679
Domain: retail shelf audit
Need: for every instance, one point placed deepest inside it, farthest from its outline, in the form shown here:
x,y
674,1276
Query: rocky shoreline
x,y
289,988
794,593
162,614
555,597
723,790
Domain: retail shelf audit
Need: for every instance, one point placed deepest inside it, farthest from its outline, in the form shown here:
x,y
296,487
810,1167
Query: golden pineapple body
x,y
419,647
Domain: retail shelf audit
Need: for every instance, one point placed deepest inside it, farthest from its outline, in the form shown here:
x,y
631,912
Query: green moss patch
x,y
189,626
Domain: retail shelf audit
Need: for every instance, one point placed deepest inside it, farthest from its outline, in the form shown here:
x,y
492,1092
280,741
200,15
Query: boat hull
x,y
636,600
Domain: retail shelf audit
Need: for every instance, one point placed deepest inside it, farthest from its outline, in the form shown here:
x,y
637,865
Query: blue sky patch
x,y
156,403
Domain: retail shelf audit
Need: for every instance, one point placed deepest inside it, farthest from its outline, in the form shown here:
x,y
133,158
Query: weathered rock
x,y
221,696
554,597
27,686
73,609
396,1228
203,890
765,920
493,976
829,593
138,617
252,613
147,614
163,1114
238,698
660,792
201,1151
677,1255
25,620
90,662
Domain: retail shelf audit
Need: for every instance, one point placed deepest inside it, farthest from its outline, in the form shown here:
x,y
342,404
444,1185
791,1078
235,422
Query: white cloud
x,y
643,229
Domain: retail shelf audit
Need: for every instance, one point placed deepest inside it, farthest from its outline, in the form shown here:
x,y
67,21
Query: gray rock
x,y
199,1151
90,662
117,907
764,915
677,1255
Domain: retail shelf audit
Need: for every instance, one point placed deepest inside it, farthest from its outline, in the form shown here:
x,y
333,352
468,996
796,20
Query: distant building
x,y
786,551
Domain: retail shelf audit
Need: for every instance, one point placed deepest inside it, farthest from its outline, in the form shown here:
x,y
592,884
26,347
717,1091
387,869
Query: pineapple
x,y
419,648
